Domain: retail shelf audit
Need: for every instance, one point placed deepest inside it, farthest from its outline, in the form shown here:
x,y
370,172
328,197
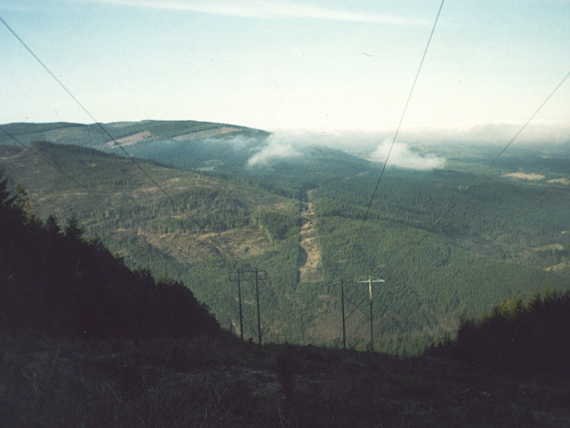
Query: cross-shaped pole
x,y
371,281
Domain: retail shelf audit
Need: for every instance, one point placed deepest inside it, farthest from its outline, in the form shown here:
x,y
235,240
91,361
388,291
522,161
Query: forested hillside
x,y
450,243
54,281
196,234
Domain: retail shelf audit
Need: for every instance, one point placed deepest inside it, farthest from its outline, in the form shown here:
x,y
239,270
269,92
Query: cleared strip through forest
x,y
310,269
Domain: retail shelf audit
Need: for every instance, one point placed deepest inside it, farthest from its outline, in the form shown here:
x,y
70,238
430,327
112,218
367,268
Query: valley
x,y
451,243
284,213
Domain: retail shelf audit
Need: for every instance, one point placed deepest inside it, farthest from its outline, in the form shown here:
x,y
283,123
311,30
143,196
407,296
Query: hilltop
x,y
124,133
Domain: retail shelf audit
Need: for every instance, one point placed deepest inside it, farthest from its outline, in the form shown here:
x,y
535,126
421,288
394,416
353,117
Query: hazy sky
x,y
316,64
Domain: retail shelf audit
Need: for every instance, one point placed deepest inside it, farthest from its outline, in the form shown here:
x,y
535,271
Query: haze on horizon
x,y
272,64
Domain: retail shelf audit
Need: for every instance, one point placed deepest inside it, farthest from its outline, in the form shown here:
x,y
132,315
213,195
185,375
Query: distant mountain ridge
x,y
91,134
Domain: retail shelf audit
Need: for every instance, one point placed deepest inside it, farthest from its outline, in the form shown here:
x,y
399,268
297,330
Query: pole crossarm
x,y
371,281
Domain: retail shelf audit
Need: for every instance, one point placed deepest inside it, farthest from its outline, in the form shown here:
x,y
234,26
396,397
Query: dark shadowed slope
x,y
54,281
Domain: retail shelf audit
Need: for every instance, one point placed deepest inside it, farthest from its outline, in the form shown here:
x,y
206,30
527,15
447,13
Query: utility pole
x,y
343,314
371,281
260,275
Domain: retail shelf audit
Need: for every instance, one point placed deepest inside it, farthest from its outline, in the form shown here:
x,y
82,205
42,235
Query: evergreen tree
x,y
72,229
62,284
7,199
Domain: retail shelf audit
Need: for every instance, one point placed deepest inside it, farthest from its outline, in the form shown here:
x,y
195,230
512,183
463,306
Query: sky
x,y
288,64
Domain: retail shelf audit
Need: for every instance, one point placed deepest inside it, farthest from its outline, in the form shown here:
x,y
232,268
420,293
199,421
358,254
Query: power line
x,y
62,171
531,118
26,145
515,136
47,159
85,110
405,111
72,177
356,307
510,143
400,123
69,175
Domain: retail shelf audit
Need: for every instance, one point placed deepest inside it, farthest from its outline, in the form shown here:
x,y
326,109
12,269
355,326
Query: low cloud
x,y
498,133
405,157
268,9
492,134
356,142
236,142
296,144
276,149
421,149
534,134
